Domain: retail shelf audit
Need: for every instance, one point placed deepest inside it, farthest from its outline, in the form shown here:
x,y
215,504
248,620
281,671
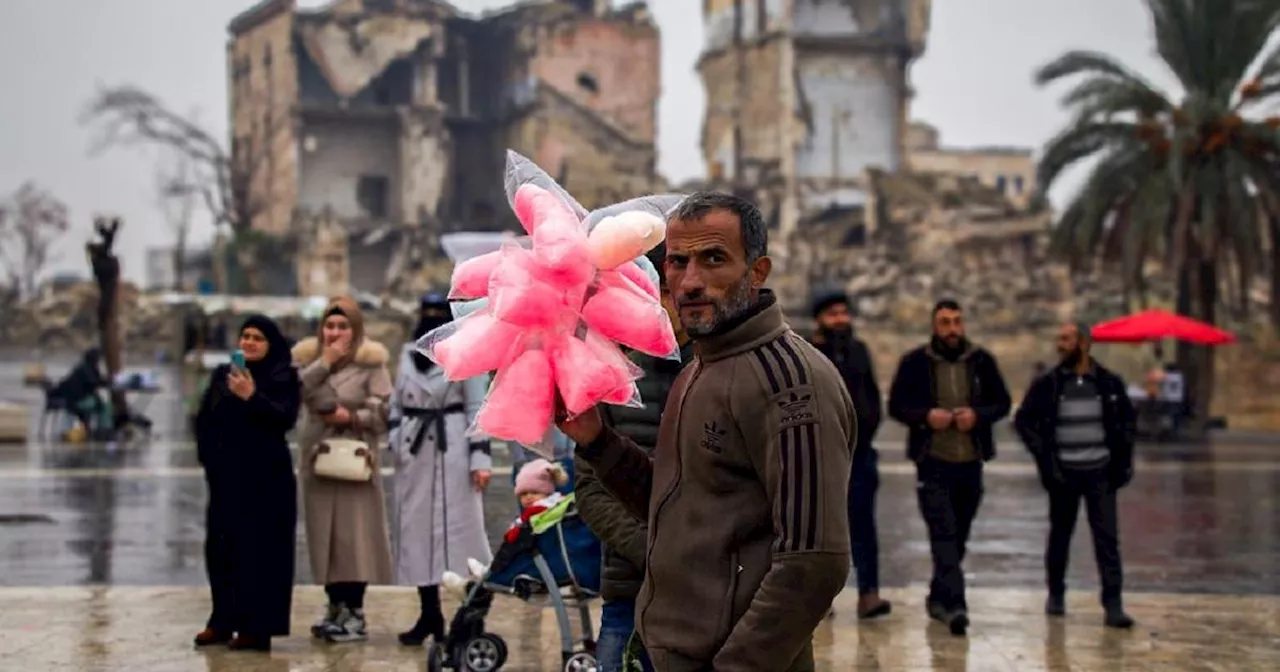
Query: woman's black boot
x,y
430,620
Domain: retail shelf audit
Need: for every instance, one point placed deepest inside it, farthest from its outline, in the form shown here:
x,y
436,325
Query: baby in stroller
x,y
547,552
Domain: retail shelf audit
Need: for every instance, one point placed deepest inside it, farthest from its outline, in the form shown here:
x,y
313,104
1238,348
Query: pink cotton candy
x,y
518,297
635,274
623,396
637,282
560,246
521,402
471,277
534,206
631,319
583,377
480,345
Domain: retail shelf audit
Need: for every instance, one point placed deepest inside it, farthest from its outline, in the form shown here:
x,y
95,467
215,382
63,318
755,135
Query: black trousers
x,y
1094,487
949,495
864,481
348,593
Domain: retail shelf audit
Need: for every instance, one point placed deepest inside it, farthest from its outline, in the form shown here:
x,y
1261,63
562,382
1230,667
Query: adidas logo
x,y
796,408
713,436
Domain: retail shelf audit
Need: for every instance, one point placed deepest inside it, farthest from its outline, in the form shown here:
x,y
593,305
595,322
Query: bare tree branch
x,y
30,221
177,193
232,182
127,115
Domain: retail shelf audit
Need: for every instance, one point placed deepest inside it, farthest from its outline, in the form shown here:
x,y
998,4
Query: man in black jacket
x,y
1079,424
623,534
949,393
834,338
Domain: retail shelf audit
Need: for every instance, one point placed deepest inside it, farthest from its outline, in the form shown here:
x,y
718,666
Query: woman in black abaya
x,y
253,511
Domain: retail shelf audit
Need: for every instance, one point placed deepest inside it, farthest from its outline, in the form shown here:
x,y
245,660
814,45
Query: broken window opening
x,y
393,87
588,82
856,236
1001,183
373,194
1018,184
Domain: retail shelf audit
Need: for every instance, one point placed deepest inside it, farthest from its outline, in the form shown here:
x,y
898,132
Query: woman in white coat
x,y
440,477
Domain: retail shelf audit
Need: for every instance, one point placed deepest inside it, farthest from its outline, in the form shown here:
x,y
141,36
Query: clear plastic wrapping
x,y
548,318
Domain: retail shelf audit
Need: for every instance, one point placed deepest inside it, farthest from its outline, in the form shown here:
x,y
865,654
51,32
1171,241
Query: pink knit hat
x,y
541,477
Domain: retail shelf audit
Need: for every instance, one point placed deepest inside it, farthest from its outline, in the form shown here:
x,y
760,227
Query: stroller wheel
x,y
483,653
435,659
581,662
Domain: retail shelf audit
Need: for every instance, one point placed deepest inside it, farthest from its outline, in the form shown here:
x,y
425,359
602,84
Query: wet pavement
x,y
101,551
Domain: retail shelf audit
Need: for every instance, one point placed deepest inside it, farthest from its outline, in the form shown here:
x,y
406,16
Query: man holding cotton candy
x,y
745,494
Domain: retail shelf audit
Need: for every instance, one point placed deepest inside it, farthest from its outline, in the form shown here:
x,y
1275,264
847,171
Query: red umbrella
x,y
1153,325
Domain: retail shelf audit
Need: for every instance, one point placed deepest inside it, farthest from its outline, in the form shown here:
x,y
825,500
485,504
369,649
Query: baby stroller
x,y
559,559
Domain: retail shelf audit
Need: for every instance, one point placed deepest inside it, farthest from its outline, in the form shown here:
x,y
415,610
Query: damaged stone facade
x,y
808,114
804,96
388,120
1009,170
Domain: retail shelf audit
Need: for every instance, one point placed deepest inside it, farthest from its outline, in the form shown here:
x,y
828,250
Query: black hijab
x,y
431,303
278,355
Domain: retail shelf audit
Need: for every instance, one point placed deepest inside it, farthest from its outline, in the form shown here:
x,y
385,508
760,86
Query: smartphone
x,y
237,359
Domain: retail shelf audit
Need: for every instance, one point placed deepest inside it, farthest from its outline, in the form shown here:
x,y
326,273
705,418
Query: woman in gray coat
x,y
440,475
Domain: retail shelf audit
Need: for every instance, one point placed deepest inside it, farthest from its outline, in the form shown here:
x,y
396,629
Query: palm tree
x,y
1181,180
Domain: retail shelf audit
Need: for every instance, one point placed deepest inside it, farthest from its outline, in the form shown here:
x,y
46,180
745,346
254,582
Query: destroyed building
x,y
809,114
803,96
372,126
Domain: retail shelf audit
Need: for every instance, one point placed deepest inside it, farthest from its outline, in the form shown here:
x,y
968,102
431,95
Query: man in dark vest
x,y
949,393
834,338
1079,424
623,533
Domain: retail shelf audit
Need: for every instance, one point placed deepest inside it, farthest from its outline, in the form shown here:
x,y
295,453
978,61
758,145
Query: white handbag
x,y
344,460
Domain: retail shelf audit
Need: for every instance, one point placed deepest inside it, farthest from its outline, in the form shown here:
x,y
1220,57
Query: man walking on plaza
x,y
834,338
1079,424
949,393
745,493
623,533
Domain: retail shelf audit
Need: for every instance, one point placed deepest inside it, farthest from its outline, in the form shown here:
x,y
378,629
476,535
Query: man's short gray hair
x,y
755,235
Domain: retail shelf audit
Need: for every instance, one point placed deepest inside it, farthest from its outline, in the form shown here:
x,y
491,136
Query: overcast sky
x,y
973,83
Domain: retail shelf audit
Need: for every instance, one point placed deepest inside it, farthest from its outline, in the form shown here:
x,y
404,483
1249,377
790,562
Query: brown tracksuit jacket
x,y
745,498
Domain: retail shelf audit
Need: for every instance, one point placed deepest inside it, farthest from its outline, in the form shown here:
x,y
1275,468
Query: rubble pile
x,y
65,318
921,238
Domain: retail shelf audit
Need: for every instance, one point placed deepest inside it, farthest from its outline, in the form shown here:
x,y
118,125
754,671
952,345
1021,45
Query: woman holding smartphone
x,y
345,390
249,407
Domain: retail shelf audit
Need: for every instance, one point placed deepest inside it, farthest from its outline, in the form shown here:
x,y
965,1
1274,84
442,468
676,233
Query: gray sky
x,y
974,84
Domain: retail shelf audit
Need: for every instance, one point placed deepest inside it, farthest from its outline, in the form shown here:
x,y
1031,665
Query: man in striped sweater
x,y
1078,422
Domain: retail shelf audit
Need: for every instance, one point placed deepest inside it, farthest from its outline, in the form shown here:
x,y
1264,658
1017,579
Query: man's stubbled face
x,y
948,325
707,271
835,317
1070,346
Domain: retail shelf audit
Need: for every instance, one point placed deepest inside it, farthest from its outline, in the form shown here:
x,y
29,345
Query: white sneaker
x,y
455,584
327,623
478,569
350,627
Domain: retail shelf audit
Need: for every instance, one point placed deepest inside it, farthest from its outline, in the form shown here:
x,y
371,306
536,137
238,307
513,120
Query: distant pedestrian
x,y
835,338
1079,424
949,393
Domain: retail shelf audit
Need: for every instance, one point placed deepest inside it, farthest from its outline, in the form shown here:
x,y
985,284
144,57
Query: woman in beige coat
x,y
345,390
